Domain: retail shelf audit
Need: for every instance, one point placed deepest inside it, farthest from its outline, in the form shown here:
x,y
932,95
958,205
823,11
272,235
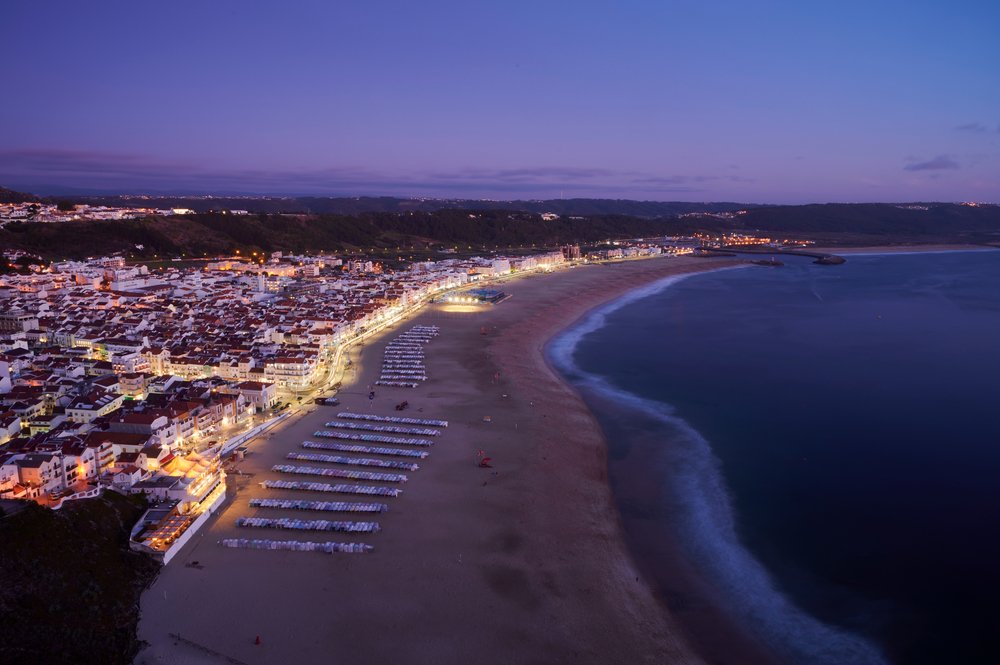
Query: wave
x,y
701,503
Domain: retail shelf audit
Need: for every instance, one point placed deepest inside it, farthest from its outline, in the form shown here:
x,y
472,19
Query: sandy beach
x,y
524,562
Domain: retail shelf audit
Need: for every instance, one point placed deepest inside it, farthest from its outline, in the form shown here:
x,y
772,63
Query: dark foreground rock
x,y
69,586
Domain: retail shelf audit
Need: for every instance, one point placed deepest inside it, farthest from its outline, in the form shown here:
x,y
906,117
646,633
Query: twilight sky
x,y
751,101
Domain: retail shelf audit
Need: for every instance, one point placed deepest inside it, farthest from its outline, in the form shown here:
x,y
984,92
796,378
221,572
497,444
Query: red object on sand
x,y
485,462
257,641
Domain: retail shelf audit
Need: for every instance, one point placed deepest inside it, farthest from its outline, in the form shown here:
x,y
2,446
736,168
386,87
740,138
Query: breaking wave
x,y
701,502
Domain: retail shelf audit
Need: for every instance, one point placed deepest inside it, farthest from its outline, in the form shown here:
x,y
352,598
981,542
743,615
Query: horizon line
x,y
55,192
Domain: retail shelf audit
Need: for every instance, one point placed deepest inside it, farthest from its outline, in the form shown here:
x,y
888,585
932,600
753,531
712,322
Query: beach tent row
x,y
353,461
367,450
399,420
350,474
374,438
296,546
328,506
307,525
420,333
385,428
403,363
396,384
399,370
336,489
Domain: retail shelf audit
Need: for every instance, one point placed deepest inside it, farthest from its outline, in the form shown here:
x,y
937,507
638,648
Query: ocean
x,y
824,441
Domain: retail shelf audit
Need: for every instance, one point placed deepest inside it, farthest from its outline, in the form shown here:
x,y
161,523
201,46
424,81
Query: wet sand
x,y
522,563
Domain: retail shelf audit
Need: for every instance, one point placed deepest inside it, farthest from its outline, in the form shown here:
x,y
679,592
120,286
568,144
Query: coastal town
x,y
117,377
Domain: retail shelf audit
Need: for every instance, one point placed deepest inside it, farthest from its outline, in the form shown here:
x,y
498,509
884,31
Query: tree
x,y
66,206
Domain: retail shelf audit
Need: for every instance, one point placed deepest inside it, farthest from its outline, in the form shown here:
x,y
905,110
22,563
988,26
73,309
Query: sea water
x,y
823,440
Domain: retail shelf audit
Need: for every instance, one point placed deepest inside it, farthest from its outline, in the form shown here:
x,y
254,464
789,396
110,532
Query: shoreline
x,y
635,436
532,562
682,590
691,605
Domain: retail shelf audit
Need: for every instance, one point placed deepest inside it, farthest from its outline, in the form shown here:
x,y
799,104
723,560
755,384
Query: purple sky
x,y
698,100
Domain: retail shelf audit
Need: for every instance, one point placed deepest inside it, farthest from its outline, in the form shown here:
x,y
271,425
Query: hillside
x,y
10,196
372,204
212,233
475,229
71,587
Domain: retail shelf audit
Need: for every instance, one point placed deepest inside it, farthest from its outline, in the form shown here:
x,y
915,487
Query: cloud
x,y
973,127
672,180
939,163
537,174
112,172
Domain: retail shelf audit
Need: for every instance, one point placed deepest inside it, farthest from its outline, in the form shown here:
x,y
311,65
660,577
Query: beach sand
x,y
522,563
